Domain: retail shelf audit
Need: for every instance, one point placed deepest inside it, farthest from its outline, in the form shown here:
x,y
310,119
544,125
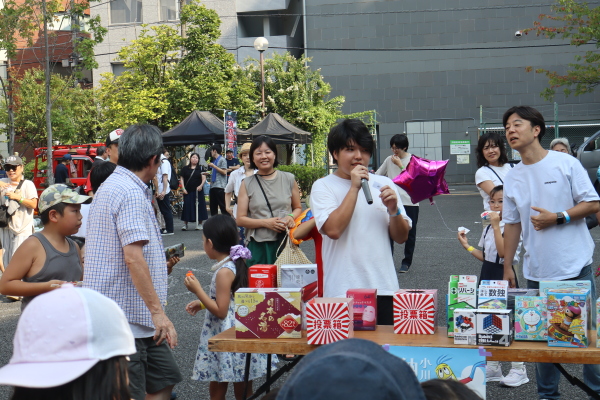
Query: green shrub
x,y
305,176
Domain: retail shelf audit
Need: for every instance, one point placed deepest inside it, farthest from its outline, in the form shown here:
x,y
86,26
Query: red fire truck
x,y
82,158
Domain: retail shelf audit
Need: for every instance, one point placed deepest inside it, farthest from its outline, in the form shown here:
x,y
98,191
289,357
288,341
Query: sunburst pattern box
x,y
415,311
329,320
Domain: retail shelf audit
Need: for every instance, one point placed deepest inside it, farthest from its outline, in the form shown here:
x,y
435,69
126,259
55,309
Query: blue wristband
x,y
567,217
395,215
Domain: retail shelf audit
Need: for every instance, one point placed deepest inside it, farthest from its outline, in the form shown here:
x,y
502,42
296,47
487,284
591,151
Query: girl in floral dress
x,y
231,273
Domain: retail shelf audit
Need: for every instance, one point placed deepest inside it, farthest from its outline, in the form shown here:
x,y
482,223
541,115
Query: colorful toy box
x,y
514,292
530,318
415,311
569,312
262,276
329,320
494,327
465,326
545,286
268,313
462,293
297,275
492,295
364,308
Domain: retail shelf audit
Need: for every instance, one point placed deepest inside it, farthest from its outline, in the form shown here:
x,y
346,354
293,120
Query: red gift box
x,y
262,276
365,308
329,320
415,311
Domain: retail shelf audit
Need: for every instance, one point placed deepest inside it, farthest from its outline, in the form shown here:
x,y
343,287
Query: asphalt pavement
x,y
437,256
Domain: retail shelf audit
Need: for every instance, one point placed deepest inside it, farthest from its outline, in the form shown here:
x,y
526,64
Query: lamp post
x,y
261,44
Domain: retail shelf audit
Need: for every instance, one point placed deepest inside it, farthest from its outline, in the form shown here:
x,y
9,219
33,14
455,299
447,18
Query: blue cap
x,y
67,157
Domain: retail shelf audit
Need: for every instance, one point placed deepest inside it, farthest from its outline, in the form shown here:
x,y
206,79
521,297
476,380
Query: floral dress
x,y
218,366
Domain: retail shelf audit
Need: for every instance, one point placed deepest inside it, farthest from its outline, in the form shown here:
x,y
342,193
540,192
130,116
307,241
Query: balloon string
x,y
442,217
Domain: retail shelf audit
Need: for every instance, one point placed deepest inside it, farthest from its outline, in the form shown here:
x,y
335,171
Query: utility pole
x,y
48,102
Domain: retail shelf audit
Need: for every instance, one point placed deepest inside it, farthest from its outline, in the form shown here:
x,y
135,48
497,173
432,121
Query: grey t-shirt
x,y
221,180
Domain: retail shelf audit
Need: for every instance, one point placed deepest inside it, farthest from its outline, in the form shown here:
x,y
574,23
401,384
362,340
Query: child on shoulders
x,y
48,258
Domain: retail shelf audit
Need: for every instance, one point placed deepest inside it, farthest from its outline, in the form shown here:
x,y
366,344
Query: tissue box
x,y
568,317
365,308
462,293
262,276
268,313
297,275
495,327
465,326
415,311
530,318
329,320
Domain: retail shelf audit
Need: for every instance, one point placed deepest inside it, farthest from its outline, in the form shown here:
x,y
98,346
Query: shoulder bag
x,y
4,215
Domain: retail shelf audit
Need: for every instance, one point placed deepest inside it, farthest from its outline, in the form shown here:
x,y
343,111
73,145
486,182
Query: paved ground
x,y
438,255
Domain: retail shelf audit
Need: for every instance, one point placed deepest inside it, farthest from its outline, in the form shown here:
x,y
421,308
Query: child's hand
x,y
192,284
171,263
462,238
55,284
193,307
494,219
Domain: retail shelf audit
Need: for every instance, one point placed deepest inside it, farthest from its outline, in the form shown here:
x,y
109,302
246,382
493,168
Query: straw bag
x,y
291,254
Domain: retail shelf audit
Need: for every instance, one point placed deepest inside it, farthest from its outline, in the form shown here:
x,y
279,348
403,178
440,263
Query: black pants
x,y
409,245
385,310
217,200
164,206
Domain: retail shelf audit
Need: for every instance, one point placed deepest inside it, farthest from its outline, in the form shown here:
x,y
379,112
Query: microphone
x,y
365,187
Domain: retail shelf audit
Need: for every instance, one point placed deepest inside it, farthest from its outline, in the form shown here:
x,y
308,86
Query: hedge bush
x,y
305,176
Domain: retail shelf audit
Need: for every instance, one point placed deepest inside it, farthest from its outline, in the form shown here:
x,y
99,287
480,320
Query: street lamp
x,y
261,44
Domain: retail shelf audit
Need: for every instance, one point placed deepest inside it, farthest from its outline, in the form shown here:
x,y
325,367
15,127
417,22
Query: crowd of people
x,y
354,217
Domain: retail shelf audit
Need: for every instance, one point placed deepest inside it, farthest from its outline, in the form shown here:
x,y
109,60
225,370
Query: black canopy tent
x,y
281,131
200,127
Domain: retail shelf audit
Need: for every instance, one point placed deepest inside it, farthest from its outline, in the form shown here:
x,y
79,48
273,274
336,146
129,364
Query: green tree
x,y
579,24
74,116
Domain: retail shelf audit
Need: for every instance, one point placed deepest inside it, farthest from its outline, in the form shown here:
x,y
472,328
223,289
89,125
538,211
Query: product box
x,y
329,320
297,275
530,318
494,327
465,326
545,286
493,295
415,311
268,313
514,292
569,313
262,276
365,308
462,293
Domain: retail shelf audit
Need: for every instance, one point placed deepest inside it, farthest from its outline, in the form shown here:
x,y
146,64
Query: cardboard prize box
x,y
462,293
494,327
268,313
262,276
297,275
531,318
569,312
364,307
545,286
329,320
415,311
465,326
492,295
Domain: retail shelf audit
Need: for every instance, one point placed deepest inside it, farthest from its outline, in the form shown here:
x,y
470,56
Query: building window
x,y
125,11
168,10
118,69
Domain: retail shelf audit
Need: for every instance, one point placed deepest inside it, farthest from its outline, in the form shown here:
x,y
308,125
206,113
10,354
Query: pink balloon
x,y
423,179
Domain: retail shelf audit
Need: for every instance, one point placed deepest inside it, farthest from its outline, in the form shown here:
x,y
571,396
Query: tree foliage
x,y
579,24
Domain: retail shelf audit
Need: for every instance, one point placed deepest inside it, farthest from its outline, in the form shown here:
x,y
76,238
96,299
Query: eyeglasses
x,y
11,167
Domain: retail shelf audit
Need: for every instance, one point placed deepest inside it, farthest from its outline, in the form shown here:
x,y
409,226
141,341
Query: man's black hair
x,y
256,143
400,141
100,151
229,151
347,133
217,147
530,114
60,208
99,173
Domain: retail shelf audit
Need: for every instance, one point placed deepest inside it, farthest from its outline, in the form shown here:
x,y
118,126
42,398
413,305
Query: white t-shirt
x,y
85,211
362,257
234,183
165,168
21,222
486,174
391,170
488,244
556,183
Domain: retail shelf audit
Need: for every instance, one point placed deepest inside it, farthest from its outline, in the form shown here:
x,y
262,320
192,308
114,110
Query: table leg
x,y
246,375
269,356
285,368
577,382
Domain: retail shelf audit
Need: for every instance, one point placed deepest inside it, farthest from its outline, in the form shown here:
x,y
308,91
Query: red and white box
x,y
329,320
365,308
262,276
415,311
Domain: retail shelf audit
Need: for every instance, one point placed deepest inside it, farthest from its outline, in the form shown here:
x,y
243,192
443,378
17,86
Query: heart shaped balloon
x,y
423,179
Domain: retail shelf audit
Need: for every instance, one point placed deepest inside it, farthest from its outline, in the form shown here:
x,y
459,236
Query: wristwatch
x,y
560,218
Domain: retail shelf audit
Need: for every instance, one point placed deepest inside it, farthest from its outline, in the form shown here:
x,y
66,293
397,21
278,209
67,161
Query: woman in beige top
x,y
268,203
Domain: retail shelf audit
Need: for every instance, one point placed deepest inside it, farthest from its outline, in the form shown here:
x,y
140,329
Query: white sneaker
x,y
516,377
493,374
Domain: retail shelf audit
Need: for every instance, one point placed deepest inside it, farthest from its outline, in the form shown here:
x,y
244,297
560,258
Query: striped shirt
x,y
122,214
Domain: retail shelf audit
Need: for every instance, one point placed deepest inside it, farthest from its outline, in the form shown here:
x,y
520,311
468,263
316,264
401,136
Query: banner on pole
x,y
231,132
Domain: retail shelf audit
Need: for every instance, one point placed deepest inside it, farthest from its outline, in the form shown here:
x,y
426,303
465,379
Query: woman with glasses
x,y
21,198
493,165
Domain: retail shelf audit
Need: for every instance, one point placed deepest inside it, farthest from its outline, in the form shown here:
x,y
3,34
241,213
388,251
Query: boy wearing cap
x,y
112,145
48,258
